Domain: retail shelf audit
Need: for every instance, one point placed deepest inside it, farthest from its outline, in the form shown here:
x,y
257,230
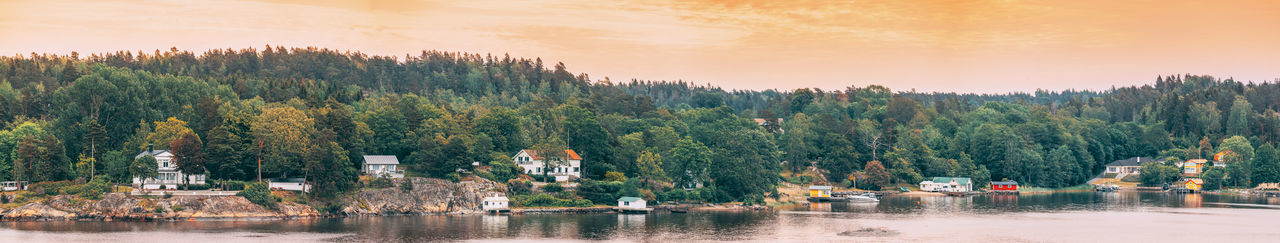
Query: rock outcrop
x,y
117,206
429,196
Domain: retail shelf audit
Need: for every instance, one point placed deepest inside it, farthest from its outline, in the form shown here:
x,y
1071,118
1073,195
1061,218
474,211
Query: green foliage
x,y
380,182
1213,178
1266,165
50,188
519,187
144,167
406,186
614,176
1157,174
800,179
546,200
552,188
258,193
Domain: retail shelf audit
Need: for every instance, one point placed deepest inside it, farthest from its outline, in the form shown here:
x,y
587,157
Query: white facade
x,y
167,173
493,203
631,202
947,184
291,184
382,165
532,164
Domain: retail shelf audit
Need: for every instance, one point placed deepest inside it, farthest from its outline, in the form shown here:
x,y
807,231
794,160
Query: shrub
x,y
258,193
50,187
380,182
198,186
177,208
233,185
519,187
4,199
168,194
163,187
92,190
602,192
800,180
1132,178
546,200
552,188
406,185
614,176
158,210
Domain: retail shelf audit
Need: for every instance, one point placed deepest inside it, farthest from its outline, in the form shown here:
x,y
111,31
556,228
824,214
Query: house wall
x,y
636,204
167,175
534,167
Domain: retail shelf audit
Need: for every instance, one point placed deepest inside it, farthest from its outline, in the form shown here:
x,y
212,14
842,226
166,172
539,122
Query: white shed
x,y
631,203
495,203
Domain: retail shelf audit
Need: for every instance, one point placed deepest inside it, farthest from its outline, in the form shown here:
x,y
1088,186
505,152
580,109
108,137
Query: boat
x,y
863,198
1105,187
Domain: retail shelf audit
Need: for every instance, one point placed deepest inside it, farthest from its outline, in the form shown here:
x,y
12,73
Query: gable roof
x,y
819,187
1004,183
569,154
1135,161
381,160
957,180
629,199
153,153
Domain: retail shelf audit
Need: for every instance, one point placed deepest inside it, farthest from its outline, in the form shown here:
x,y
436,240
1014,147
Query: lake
x,y
1127,216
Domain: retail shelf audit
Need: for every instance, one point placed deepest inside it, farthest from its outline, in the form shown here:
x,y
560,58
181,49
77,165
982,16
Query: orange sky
x,y
963,46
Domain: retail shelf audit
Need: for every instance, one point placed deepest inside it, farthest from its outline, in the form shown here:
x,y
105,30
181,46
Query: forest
x,y
313,113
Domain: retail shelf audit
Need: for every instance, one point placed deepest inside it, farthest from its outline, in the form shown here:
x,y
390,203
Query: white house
x,y
631,203
289,184
947,184
167,172
382,165
532,164
1127,167
495,203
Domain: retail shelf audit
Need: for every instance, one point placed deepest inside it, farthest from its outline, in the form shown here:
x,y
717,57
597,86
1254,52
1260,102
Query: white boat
x,y
864,198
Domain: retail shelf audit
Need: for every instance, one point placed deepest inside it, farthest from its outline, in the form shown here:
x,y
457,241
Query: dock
x,y
634,210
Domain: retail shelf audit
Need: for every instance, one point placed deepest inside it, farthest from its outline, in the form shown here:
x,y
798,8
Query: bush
x,y
552,188
4,199
258,193
198,186
50,187
92,190
177,208
800,180
163,187
233,185
1132,178
519,187
546,200
380,182
602,192
614,176
168,194
406,185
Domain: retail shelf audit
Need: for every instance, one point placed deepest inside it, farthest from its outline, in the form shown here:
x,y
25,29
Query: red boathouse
x,y
1004,186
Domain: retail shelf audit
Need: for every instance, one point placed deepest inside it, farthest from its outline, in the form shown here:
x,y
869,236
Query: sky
x,y
983,46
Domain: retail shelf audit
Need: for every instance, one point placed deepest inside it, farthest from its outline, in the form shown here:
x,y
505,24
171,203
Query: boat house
x,y
496,204
1004,186
1189,185
631,203
947,184
819,191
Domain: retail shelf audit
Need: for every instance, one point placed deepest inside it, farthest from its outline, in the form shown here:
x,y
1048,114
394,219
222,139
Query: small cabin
x,y
631,202
289,184
1190,184
819,191
947,184
13,185
495,203
1004,186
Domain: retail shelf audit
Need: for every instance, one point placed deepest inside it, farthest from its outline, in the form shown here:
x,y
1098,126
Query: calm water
x,y
1063,217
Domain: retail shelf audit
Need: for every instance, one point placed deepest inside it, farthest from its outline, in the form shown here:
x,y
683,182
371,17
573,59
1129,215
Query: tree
x,y
876,175
285,135
188,154
327,167
1266,165
1238,118
42,159
166,132
228,155
1213,178
688,162
1239,153
144,167
504,126
650,168
1156,174
116,165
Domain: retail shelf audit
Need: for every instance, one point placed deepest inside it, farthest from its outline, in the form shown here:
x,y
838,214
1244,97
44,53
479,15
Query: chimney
x,y
148,148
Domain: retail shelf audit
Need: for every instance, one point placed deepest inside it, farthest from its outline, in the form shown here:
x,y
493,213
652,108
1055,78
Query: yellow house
x,y
820,191
1193,184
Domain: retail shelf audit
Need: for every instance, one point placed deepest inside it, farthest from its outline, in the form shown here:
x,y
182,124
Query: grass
x,y
1031,189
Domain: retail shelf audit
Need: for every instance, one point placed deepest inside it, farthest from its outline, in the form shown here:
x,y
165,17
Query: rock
x,y
429,196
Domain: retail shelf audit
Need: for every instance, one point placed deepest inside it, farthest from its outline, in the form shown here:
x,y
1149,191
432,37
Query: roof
x,y
153,153
629,199
381,160
1135,161
819,187
1004,183
568,152
287,179
1196,180
957,180
495,199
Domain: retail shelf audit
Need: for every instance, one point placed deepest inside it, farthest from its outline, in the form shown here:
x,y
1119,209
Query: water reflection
x,y
821,218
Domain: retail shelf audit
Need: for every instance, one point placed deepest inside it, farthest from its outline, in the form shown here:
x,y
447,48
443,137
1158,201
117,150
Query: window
x,y
575,169
539,169
626,203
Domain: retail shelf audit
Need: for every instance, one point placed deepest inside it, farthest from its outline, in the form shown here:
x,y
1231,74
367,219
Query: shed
x,y
495,203
631,202
1004,186
382,165
819,191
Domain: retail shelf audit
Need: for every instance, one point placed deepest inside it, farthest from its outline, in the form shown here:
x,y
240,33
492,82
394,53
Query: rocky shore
x,y
429,196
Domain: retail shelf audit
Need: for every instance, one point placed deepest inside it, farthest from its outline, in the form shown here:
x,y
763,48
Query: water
x,y
1062,217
